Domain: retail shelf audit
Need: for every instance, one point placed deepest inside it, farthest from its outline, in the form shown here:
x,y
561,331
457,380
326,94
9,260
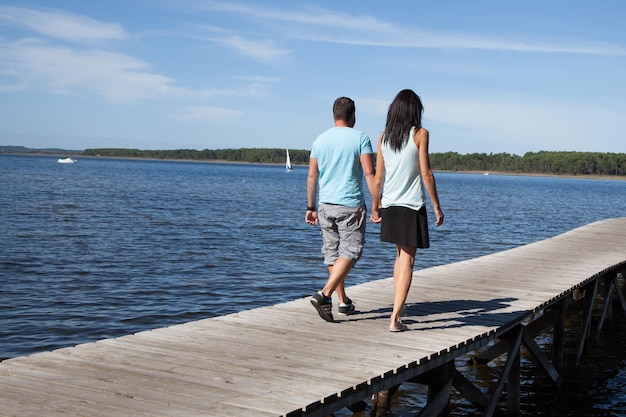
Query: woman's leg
x,y
402,276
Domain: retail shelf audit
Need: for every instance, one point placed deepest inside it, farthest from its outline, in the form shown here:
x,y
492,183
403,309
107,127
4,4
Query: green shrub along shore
x,y
538,163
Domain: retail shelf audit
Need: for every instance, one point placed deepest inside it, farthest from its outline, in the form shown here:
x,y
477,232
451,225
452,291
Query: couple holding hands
x,y
340,157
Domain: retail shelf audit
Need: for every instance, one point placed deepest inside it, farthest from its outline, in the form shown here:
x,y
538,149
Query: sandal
x,y
401,327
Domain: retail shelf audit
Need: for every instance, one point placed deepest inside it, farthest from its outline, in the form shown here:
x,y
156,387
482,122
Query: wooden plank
x,y
120,387
282,359
283,346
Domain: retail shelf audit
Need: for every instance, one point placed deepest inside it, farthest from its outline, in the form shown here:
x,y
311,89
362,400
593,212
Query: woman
x,y
402,162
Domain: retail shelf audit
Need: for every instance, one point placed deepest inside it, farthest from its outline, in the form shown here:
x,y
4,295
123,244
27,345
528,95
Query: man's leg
x,y
343,230
337,274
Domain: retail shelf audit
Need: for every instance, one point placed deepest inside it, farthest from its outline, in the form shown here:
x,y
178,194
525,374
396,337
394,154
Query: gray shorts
x,y
343,232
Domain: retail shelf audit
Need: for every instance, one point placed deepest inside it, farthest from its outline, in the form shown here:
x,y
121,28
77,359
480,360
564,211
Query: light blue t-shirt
x,y
338,151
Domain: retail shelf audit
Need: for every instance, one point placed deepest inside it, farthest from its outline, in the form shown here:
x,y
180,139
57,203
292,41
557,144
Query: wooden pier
x,y
284,360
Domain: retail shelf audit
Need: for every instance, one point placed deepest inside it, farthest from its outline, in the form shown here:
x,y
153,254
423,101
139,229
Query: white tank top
x,y
403,179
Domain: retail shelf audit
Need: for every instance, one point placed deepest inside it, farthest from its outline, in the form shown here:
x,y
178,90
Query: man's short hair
x,y
343,109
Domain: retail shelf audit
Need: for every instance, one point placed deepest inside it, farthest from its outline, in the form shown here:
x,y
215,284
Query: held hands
x,y
375,217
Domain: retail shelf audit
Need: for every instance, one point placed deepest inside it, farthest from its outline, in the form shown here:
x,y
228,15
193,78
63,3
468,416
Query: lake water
x,y
108,247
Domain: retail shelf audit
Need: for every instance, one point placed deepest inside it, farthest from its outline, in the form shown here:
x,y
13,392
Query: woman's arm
x,y
421,138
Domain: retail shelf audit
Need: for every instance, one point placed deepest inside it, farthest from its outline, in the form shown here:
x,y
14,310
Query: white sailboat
x,y
288,162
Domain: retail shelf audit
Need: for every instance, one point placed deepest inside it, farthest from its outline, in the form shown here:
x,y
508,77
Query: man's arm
x,y
377,183
367,163
311,192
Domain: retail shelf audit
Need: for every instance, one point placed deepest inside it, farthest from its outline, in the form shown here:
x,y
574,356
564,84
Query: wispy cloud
x,y
117,77
306,15
260,49
60,25
416,38
65,70
308,23
44,62
264,51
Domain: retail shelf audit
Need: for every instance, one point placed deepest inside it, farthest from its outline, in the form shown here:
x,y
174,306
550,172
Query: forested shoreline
x,y
543,162
250,155
556,163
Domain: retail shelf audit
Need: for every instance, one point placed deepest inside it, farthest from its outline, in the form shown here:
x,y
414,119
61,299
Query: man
x,y
340,157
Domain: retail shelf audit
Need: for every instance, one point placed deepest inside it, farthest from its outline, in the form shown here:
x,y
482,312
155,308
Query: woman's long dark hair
x,y
405,111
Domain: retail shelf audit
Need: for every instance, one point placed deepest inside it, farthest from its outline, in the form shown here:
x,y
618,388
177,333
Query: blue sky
x,y
494,76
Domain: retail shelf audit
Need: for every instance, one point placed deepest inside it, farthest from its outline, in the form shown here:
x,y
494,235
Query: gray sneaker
x,y
323,305
346,308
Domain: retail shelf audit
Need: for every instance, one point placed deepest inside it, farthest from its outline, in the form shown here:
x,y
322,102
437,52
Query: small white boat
x,y
288,162
67,160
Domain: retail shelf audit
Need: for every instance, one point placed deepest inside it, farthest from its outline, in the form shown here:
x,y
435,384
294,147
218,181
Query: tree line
x,y
557,163
544,162
251,155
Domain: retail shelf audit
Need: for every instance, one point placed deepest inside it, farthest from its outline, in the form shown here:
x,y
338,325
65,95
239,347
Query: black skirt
x,y
405,227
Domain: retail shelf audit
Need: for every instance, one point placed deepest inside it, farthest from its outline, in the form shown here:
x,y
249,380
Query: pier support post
x,y
439,385
611,285
381,402
620,295
513,385
558,336
591,290
606,314
510,365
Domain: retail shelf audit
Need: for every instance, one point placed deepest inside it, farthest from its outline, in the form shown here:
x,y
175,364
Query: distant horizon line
x,y
15,148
